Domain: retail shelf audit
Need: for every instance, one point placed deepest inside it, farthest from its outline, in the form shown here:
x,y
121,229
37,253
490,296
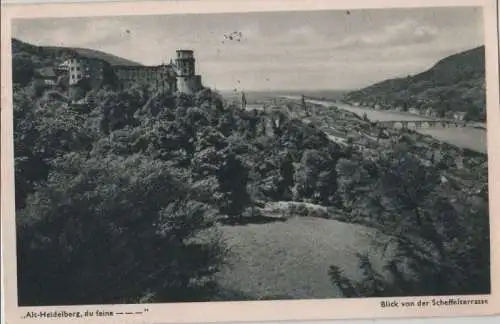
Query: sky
x,y
306,50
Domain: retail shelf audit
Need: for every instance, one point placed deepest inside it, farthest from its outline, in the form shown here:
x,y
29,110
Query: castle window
x,y
78,68
72,68
79,76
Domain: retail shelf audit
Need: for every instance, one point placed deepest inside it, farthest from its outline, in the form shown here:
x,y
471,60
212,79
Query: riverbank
x,y
399,113
471,138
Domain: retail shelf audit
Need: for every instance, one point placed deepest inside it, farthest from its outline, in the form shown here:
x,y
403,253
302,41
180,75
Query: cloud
x,y
313,51
303,32
75,32
130,38
298,35
406,32
251,31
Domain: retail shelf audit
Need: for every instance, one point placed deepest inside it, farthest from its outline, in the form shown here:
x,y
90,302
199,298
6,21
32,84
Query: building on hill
x,y
81,69
88,73
161,77
85,74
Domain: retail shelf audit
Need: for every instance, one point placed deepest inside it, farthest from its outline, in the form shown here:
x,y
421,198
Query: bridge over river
x,y
461,134
423,123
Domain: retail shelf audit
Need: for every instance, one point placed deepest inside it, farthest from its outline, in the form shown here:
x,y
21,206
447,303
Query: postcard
x,y
250,161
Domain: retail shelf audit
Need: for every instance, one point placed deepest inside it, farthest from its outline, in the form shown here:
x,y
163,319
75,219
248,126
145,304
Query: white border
x,y
250,311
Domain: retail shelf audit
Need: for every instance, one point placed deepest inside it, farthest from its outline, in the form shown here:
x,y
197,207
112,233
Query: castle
x,y
82,74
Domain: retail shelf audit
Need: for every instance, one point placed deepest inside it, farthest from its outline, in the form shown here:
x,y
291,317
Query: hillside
x,y
454,84
56,51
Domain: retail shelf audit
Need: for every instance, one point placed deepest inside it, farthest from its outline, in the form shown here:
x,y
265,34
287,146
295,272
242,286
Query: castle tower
x,y
187,81
185,63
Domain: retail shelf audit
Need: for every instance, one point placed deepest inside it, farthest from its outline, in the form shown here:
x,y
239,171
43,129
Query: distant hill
x,y
454,84
56,51
28,58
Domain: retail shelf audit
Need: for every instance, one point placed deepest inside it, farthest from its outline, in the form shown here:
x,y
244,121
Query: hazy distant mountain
x,y
454,84
20,46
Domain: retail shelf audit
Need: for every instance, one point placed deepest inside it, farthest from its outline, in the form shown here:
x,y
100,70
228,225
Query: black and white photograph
x,y
250,156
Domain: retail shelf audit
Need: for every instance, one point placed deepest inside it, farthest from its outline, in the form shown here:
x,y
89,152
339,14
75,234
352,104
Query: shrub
x,y
115,229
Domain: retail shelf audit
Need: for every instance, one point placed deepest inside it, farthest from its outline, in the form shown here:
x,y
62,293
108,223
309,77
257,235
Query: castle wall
x,y
189,84
94,71
156,77
80,68
85,74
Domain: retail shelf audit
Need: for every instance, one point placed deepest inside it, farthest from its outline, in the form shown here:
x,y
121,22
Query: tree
x,y
30,165
439,246
119,109
233,178
197,118
441,257
23,68
317,177
278,122
43,132
472,113
303,104
243,101
287,172
227,123
352,182
117,229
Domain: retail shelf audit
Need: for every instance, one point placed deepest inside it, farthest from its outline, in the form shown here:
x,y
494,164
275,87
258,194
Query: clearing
x,y
290,259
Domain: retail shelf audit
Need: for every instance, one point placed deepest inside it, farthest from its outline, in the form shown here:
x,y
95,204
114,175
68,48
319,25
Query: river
x,y
467,137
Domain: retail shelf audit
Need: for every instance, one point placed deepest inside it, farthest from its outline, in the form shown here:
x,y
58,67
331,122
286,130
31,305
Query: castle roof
x,y
143,67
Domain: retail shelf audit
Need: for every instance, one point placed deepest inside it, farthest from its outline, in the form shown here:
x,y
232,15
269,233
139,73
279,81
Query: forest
x,y
121,200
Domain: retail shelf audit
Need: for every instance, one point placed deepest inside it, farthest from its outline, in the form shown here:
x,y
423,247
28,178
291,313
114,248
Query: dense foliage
x,y
126,188
120,199
434,214
429,200
95,210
